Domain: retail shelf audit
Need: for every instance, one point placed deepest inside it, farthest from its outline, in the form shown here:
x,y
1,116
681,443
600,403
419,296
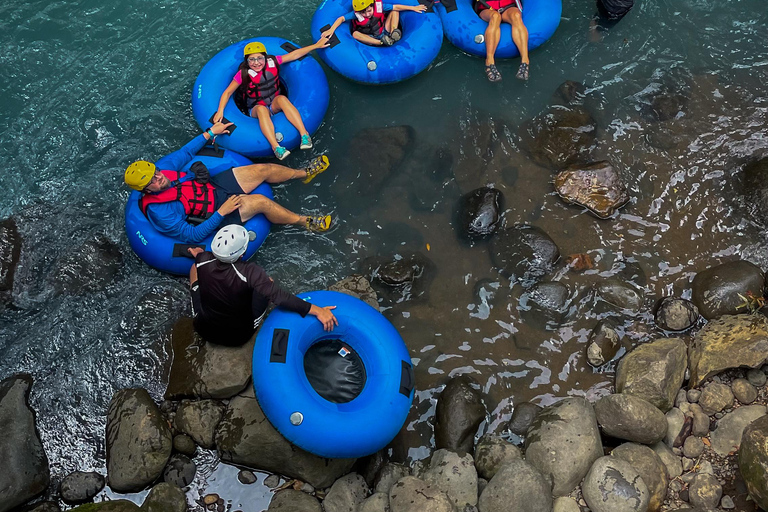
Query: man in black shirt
x,y
609,12
230,297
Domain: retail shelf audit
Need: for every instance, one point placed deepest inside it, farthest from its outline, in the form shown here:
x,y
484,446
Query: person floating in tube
x,y
190,208
371,24
230,297
257,84
496,12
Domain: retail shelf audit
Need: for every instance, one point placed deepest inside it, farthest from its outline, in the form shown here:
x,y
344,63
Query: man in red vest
x,y
171,201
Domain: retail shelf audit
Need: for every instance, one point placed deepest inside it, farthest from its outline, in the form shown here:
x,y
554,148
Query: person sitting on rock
x,y
371,24
170,204
609,13
230,297
496,12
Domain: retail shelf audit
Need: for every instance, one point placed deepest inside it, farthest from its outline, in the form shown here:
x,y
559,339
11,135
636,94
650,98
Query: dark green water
x,y
88,87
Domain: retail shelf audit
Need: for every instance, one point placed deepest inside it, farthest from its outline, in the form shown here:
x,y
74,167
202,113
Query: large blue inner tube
x,y
304,80
463,25
361,426
422,38
158,250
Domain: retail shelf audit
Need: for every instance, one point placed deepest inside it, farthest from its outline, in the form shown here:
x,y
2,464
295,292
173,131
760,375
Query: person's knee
x,y
261,111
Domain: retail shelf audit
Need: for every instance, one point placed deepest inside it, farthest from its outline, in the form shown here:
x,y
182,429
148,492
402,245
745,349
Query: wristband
x,y
210,133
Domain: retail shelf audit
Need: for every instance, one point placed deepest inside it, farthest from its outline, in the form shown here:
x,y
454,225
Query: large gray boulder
x,y
199,419
455,475
753,460
206,370
10,252
411,494
719,290
731,341
139,442
291,500
459,412
651,469
631,418
25,471
491,453
563,442
654,372
346,494
727,436
613,485
516,487
245,437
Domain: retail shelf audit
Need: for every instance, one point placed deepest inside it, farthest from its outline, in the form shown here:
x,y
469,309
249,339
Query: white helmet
x,y
231,242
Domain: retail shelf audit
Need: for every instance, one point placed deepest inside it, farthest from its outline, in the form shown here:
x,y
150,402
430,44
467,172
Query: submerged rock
x,y
560,137
753,460
480,212
400,276
562,443
245,437
139,442
603,344
676,315
25,471
524,252
620,294
545,305
651,468
517,487
727,288
206,370
597,187
358,287
89,268
654,372
79,487
731,341
613,485
569,93
379,161
755,188
458,414
10,252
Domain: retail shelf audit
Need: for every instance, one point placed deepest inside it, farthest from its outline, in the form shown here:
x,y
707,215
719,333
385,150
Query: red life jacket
x,y
500,4
264,86
374,25
197,199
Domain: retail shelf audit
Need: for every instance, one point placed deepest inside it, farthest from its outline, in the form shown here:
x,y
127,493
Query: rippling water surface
x,y
88,87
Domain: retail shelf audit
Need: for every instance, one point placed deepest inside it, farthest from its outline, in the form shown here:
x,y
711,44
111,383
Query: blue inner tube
x,y
304,80
354,428
422,37
161,251
462,25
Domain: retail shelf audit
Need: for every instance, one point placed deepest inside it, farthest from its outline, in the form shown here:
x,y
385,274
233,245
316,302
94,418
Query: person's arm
x,y
401,7
297,54
179,158
341,19
171,220
228,92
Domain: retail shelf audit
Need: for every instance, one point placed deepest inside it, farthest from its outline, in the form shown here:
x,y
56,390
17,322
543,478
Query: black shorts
x,y
226,185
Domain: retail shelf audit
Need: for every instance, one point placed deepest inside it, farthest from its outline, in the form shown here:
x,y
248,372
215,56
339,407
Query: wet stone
x,y
246,477
291,500
715,397
559,137
359,287
388,475
721,290
756,377
458,414
651,469
272,481
517,487
569,93
381,160
603,344
184,444
744,391
524,252
411,271
198,419
180,471
491,453
619,294
676,315
522,418
10,252
79,487
480,212
89,268
755,188
597,187
613,485
544,305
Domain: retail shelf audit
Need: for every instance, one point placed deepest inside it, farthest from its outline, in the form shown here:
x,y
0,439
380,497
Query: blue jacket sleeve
x,y
178,159
349,16
170,219
387,7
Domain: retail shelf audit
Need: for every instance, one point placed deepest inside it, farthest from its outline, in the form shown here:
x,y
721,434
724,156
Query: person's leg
x,y
366,39
282,103
492,34
392,21
255,204
265,123
514,17
251,176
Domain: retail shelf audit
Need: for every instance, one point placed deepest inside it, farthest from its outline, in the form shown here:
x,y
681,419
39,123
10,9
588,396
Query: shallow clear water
x,y
88,87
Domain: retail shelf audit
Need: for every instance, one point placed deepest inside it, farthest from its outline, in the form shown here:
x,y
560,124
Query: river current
x,y
87,87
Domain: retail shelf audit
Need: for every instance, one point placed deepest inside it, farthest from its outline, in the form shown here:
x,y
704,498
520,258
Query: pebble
x,y
705,468
184,444
687,464
693,447
693,395
676,485
744,391
687,478
727,502
756,377
210,499
684,495
307,488
272,481
246,477
765,369
682,398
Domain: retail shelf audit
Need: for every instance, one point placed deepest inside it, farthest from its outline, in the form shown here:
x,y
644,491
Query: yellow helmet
x,y
361,5
139,174
254,47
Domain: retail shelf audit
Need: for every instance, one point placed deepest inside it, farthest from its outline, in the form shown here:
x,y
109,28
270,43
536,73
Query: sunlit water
x,y
87,87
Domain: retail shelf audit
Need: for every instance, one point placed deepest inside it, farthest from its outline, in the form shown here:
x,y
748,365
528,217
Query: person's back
x,y
614,9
